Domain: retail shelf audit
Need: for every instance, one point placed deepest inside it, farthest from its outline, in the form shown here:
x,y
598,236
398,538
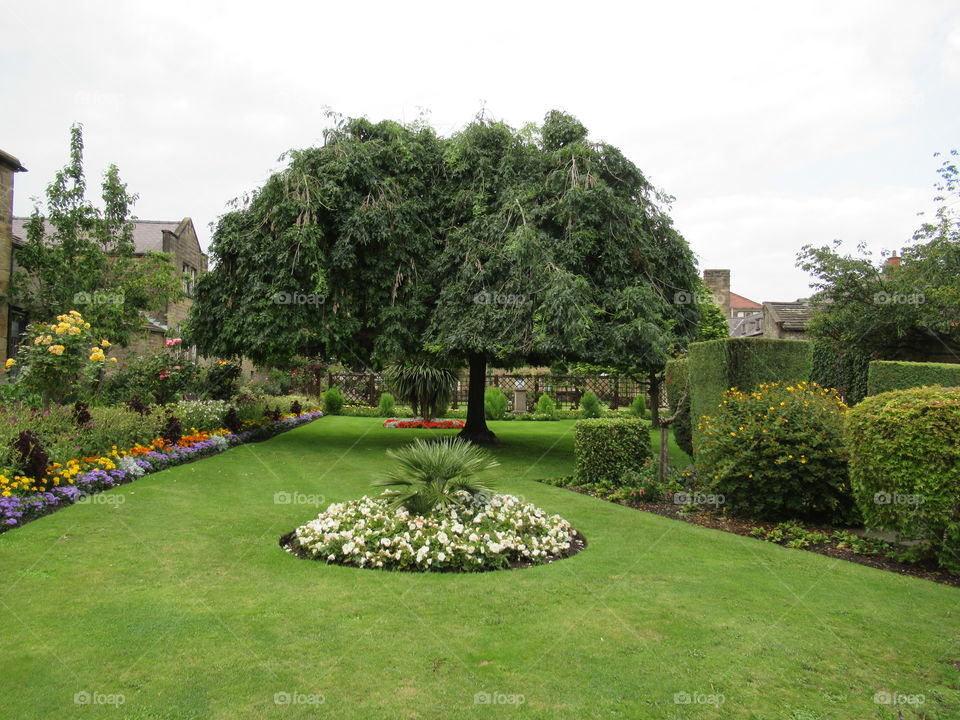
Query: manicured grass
x,y
180,600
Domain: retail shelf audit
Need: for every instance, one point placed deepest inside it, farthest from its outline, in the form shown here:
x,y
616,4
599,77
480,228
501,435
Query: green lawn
x,y
180,600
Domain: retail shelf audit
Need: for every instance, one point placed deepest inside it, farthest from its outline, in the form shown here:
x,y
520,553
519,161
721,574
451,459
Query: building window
x,y
18,326
189,279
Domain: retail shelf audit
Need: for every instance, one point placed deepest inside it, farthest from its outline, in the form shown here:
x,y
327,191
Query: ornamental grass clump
x,y
777,453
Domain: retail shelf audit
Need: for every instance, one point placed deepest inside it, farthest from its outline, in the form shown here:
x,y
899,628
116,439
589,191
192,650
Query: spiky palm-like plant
x,y
427,388
433,475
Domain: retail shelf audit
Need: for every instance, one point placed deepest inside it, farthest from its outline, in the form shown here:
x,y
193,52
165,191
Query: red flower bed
x,y
425,424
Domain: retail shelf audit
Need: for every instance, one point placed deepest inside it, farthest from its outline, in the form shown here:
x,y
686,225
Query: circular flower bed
x,y
500,532
425,424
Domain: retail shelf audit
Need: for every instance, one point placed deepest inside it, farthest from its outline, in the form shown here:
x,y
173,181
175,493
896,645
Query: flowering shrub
x,y
495,533
777,453
55,358
425,424
202,414
162,377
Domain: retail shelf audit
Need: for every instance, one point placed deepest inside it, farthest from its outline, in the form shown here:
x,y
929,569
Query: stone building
x,y
9,166
747,318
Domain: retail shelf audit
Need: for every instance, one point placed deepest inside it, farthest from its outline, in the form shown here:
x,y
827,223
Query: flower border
x,y
421,424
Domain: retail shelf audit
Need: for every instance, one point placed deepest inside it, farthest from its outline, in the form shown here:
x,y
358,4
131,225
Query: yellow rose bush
x,y
55,359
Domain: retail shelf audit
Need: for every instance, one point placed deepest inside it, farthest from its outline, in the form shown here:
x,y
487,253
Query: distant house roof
x,y
740,302
749,326
791,315
147,234
11,162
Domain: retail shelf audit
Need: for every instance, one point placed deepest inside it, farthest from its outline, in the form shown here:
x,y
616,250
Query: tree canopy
x,y
907,308
495,245
78,256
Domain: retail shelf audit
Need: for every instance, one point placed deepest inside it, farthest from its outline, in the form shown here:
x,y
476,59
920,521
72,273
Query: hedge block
x,y
676,380
716,366
606,448
886,375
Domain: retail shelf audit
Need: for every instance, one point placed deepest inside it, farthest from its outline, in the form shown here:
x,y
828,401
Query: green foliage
x,y
221,380
905,467
495,403
887,375
777,453
545,407
387,405
638,408
843,368
79,257
590,405
743,363
607,449
677,382
791,534
333,401
162,377
436,475
906,311
713,323
427,388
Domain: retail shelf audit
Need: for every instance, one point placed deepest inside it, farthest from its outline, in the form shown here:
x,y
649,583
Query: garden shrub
x,y
638,408
387,405
172,429
427,388
844,369
495,403
545,407
232,421
118,426
333,401
162,377
221,380
744,363
676,380
887,375
202,414
606,449
32,460
905,467
777,453
590,405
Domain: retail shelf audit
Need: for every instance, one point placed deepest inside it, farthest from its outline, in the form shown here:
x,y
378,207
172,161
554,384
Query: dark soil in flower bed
x,y
289,543
742,526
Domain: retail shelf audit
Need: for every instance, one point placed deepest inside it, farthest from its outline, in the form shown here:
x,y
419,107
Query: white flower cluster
x,y
128,464
202,414
499,533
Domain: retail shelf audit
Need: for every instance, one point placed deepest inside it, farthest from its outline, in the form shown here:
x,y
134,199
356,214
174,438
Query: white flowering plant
x,y
483,533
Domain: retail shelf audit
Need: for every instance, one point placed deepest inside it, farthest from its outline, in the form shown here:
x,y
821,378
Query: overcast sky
x,y
773,124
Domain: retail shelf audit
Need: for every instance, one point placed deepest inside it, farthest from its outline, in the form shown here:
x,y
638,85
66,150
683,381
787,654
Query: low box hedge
x,y
607,448
886,375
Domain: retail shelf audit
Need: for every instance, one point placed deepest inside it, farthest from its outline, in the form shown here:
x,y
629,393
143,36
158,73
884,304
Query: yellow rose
x,y
76,314
56,349
74,331
62,328
113,360
86,325
105,343
38,339
10,363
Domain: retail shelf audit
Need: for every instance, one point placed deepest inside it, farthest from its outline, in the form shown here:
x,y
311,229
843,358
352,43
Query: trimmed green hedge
x,y
676,380
606,449
887,375
718,365
843,369
905,467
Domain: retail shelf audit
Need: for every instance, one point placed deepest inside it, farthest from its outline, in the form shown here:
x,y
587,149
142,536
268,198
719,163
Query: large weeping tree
x,y
491,247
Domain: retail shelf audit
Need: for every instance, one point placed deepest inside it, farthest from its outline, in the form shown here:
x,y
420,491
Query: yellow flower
x,y
74,331
10,363
105,343
62,328
76,314
46,339
113,360
97,355
56,349
86,325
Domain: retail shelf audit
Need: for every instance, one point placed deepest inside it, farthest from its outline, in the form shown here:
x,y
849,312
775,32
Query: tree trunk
x,y
476,430
654,399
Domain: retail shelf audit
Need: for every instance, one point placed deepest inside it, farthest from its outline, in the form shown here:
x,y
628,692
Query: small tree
x,y
427,388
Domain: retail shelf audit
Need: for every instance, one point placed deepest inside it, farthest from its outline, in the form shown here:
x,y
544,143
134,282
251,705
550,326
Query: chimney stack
x,y
718,283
